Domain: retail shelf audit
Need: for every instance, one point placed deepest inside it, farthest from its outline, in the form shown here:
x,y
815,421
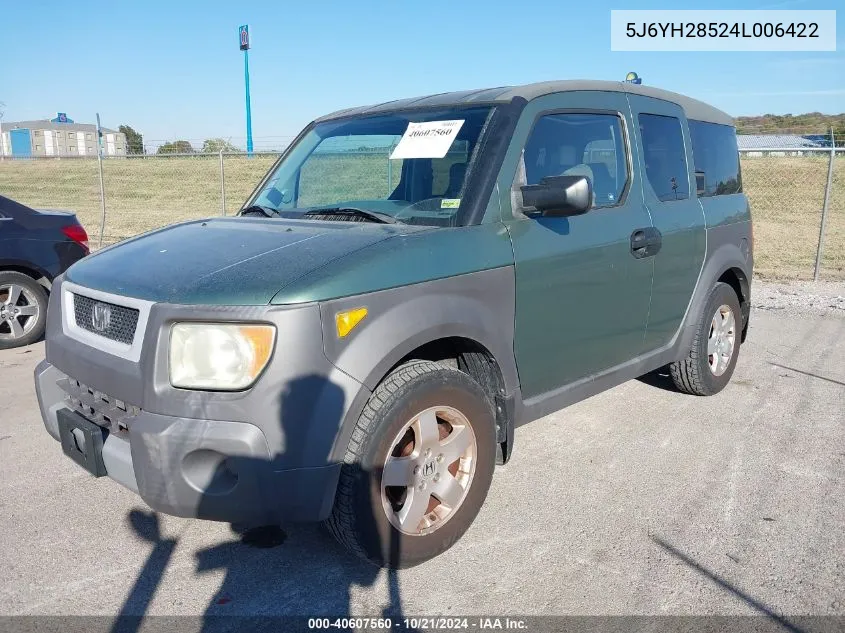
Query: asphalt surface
x,y
638,501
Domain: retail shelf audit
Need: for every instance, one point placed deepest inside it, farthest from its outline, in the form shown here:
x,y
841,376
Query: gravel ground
x,y
822,297
640,500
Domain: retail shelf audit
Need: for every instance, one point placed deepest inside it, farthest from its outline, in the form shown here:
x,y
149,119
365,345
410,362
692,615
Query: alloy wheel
x,y
722,340
19,311
429,470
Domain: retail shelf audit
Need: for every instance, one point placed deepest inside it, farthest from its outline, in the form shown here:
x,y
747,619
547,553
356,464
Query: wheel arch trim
x,y
722,259
477,307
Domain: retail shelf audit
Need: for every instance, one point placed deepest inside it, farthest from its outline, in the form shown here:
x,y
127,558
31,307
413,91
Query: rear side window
x,y
716,159
588,145
665,160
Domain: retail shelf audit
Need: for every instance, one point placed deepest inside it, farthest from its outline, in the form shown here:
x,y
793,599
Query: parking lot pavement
x,y
638,501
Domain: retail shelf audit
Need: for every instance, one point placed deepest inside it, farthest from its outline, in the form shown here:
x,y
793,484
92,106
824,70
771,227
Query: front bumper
x,y
267,454
207,469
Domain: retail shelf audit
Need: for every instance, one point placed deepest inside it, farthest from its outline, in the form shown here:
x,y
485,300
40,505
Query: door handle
x,y
645,242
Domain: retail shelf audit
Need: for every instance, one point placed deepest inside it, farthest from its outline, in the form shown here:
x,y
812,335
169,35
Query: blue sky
x,y
172,69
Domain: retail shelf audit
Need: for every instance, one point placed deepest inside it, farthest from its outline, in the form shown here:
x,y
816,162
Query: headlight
x,y
219,356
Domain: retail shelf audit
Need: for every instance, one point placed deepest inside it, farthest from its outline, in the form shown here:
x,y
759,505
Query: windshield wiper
x,y
372,216
255,209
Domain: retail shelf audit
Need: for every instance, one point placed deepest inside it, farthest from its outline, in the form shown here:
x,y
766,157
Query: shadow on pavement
x,y
727,586
660,379
146,526
293,569
807,373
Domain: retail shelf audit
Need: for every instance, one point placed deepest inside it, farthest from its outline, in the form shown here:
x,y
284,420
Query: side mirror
x,y
559,196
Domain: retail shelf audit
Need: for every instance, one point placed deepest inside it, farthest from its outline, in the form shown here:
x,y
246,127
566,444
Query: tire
x,y
20,297
366,517
702,373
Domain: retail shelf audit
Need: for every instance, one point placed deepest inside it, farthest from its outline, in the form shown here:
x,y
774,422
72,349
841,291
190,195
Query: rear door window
x,y
716,159
665,158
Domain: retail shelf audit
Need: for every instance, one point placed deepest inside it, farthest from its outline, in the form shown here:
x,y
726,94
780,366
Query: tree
x,y
134,140
215,145
176,147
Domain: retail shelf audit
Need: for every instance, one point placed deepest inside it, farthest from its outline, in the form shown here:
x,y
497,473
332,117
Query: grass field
x,y
141,194
786,194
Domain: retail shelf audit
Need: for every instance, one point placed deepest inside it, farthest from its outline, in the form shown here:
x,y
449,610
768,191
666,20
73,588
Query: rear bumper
x,y
208,469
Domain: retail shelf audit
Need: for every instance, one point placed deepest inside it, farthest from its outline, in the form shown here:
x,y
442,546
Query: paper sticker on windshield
x,y
431,139
450,203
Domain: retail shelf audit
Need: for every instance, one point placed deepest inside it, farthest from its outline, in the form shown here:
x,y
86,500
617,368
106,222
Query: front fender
x,y
478,306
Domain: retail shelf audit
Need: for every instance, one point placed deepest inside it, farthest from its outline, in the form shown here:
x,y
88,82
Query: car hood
x,y
224,261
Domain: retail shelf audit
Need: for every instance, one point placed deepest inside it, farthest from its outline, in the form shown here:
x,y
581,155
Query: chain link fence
x,y
71,184
788,191
144,193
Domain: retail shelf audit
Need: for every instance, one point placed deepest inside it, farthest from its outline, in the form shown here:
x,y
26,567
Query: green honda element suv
x,y
409,283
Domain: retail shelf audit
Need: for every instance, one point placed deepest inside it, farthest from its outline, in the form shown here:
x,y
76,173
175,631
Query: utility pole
x,y
828,186
243,32
102,183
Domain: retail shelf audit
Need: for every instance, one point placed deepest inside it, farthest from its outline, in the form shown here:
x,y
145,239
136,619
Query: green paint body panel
x,y
681,222
252,261
723,210
405,259
225,261
582,299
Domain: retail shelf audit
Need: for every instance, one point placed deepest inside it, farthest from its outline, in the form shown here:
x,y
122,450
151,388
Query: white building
x,y
58,137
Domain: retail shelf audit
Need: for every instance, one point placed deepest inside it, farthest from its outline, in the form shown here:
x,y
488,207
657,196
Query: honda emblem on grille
x,y
100,317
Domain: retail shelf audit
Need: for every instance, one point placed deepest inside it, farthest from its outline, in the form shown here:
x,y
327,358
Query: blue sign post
x,y
243,38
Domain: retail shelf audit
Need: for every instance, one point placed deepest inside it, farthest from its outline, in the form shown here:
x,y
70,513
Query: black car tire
x,y
40,297
359,520
693,375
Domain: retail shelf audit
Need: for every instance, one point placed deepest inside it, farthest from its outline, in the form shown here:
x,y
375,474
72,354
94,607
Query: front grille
x,y
112,321
98,407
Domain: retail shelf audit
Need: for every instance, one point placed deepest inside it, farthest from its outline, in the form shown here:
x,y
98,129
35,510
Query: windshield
x,y
408,167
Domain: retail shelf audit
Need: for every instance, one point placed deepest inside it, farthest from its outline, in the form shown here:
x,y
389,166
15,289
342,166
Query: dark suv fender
x,y
728,258
477,307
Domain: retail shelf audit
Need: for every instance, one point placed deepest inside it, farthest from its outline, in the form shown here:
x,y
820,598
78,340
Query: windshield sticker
x,y
450,203
431,139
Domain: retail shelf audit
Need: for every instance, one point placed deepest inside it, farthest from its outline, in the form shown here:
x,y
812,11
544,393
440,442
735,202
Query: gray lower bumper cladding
x,y
209,469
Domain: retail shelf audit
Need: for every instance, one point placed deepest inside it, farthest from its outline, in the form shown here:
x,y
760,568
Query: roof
x,y
693,108
46,124
774,141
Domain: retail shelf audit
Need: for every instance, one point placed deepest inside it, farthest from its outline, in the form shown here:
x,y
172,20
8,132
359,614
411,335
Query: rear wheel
x,y
418,466
712,357
23,310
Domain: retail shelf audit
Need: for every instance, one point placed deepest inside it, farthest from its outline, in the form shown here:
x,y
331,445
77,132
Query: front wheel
x,y
712,357
418,466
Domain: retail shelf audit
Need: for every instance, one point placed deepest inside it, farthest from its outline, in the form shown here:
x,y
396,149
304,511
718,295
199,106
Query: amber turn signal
x,y
346,321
